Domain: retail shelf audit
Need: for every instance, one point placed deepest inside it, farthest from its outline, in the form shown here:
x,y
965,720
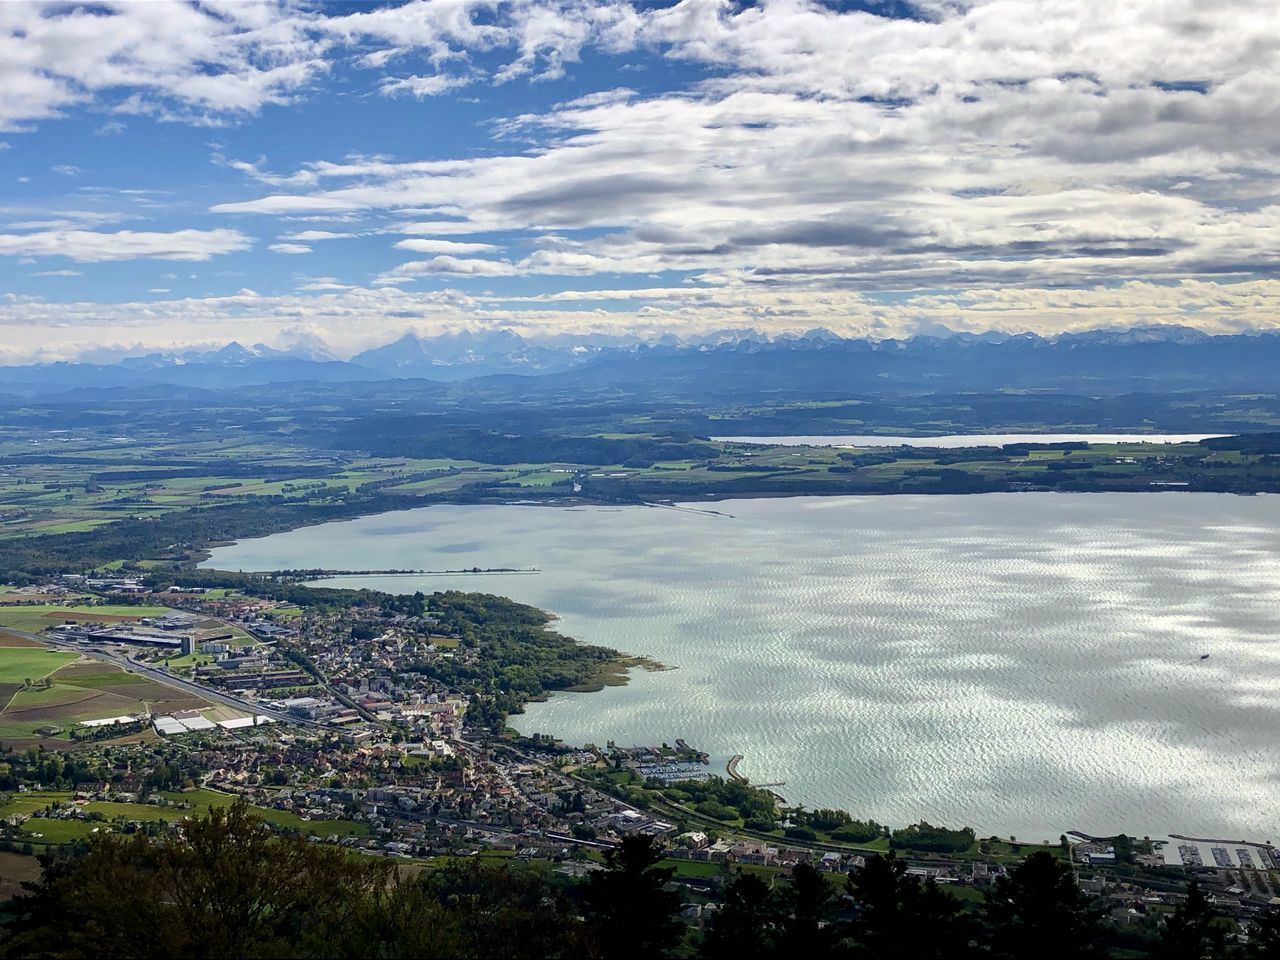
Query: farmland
x,y
35,618
20,664
73,690
16,869
174,806
254,465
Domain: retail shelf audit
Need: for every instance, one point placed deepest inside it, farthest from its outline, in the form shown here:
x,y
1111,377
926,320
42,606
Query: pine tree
x,y
1190,932
746,926
628,909
1038,911
900,916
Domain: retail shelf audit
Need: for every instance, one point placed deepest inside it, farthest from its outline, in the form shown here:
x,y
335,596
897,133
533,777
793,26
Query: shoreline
x,y
202,554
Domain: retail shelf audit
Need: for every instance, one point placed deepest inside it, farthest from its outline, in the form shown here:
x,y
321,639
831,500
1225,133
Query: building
x,y
189,645
119,634
302,706
173,621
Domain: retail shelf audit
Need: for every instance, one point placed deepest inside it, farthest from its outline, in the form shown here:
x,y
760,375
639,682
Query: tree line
x,y
223,885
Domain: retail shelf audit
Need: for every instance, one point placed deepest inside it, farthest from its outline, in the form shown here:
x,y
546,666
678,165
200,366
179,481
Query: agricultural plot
x,y
39,617
76,691
55,832
182,804
20,664
98,483
15,870
28,803
13,640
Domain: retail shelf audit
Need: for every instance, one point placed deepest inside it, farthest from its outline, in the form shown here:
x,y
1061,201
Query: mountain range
x,y
730,362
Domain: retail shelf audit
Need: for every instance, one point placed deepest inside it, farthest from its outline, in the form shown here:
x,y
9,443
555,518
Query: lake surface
x,y
970,439
1022,663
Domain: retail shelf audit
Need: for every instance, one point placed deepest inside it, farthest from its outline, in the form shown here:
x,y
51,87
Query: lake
x,y
1021,663
955,440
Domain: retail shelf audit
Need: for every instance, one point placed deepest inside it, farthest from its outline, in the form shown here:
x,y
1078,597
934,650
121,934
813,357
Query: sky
x,y
327,176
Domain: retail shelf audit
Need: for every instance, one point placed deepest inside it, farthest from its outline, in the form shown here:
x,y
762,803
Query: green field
x,y
39,617
20,664
109,677
83,690
139,811
108,481
187,803
318,828
202,800
189,660
58,695
31,802
199,799
54,832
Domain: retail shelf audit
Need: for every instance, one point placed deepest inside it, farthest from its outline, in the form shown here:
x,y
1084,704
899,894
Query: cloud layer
x,y
348,319
1033,164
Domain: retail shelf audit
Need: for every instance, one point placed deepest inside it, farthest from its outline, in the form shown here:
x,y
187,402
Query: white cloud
x,y
824,154
866,151
311,236
444,246
159,53
201,63
422,87
457,265
353,318
58,273
324,285
89,246
254,171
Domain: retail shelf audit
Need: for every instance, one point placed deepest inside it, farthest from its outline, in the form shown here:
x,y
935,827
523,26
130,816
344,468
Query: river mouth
x,y
1021,663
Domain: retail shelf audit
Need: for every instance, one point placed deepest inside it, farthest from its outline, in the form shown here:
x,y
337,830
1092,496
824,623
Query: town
x,y
358,722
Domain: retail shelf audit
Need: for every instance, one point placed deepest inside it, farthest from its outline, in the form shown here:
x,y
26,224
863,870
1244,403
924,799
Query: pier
x,y
731,768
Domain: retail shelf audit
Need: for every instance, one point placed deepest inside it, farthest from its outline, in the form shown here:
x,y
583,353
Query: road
x,y
169,679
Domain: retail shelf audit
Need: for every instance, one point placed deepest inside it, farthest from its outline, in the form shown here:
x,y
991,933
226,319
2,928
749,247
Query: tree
x,y
627,906
1038,911
488,911
746,926
900,916
939,928
224,886
877,892
806,909
828,820
1190,932
1264,937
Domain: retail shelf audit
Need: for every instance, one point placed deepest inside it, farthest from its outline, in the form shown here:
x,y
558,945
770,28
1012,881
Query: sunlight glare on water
x,y
1022,663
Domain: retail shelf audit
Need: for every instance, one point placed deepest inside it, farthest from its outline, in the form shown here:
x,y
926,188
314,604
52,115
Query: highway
x,y
167,678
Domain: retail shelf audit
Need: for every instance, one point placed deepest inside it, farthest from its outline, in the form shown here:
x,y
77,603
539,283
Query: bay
x,y
1021,663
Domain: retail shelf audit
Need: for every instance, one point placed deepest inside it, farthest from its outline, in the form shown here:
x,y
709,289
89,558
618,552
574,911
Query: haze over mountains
x,y
1099,362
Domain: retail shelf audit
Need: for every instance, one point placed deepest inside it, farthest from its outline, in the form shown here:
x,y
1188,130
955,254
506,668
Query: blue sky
x,y
327,176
